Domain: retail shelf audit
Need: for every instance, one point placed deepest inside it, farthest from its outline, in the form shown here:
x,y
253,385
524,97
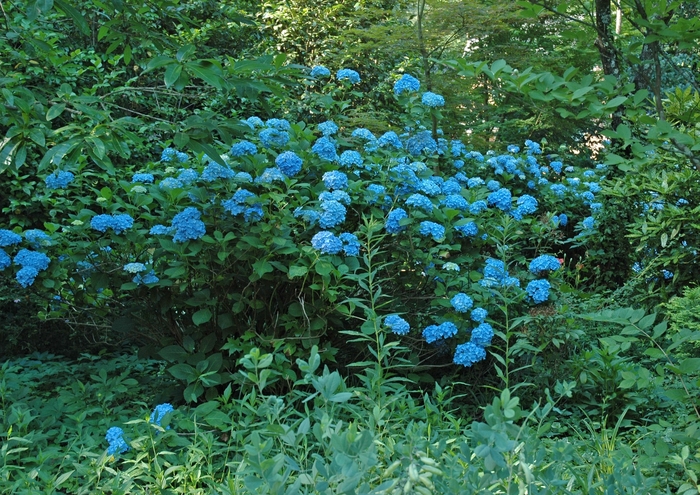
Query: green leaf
x,y
77,17
202,316
205,148
690,365
55,111
297,271
615,102
183,371
677,394
172,74
173,353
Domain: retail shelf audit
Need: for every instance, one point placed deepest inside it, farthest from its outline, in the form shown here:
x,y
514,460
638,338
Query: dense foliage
x,y
382,247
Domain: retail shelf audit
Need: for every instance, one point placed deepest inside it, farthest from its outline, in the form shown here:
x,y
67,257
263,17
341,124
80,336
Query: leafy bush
x,y
193,253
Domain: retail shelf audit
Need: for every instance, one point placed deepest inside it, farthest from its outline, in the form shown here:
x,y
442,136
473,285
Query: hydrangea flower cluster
x,y
118,223
116,441
289,163
188,225
461,302
397,324
320,71
496,275
143,178
543,264
32,262
444,330
407,84
159,413
432,100
243,148
59,180
538,290
349,75
432,229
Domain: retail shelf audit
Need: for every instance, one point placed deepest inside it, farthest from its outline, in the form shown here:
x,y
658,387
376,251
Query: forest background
x,y
374,247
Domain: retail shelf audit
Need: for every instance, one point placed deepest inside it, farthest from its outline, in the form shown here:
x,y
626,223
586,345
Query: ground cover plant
x,y
311,279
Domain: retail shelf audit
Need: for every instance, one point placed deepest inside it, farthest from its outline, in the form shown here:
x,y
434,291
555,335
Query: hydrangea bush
x,y
256,247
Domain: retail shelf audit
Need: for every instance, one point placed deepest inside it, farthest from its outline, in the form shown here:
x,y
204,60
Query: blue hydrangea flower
x,y
320,71
59,180
538,290
533,148
327,243
289,163
337,195
308,216
351,245
363,134
168,155
328,128
432,100
407,84
496,275
457,148
433,229
397,324
556,166
558,189
475,182
26,276
243,177
455,202
149,278
477,207
333,214
273,138
243,148
594,187
595,207
420,201
479,315
421,142
493,185
270,175
461,302
667,274
37,238
143,178
390,139
469,353
134,267
159,413
500,199
433,333
170,183
118,223
348,74
5,260
470,229
215,171
279,124
429,187
588,223
9,238
589,173
115,439
458,164
526,205
482,335
543,264
181,157
512,148
350,159
187,176
393,219
335,180
450,186
324,147
563,219
160,230
254,122
239,202
188,226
